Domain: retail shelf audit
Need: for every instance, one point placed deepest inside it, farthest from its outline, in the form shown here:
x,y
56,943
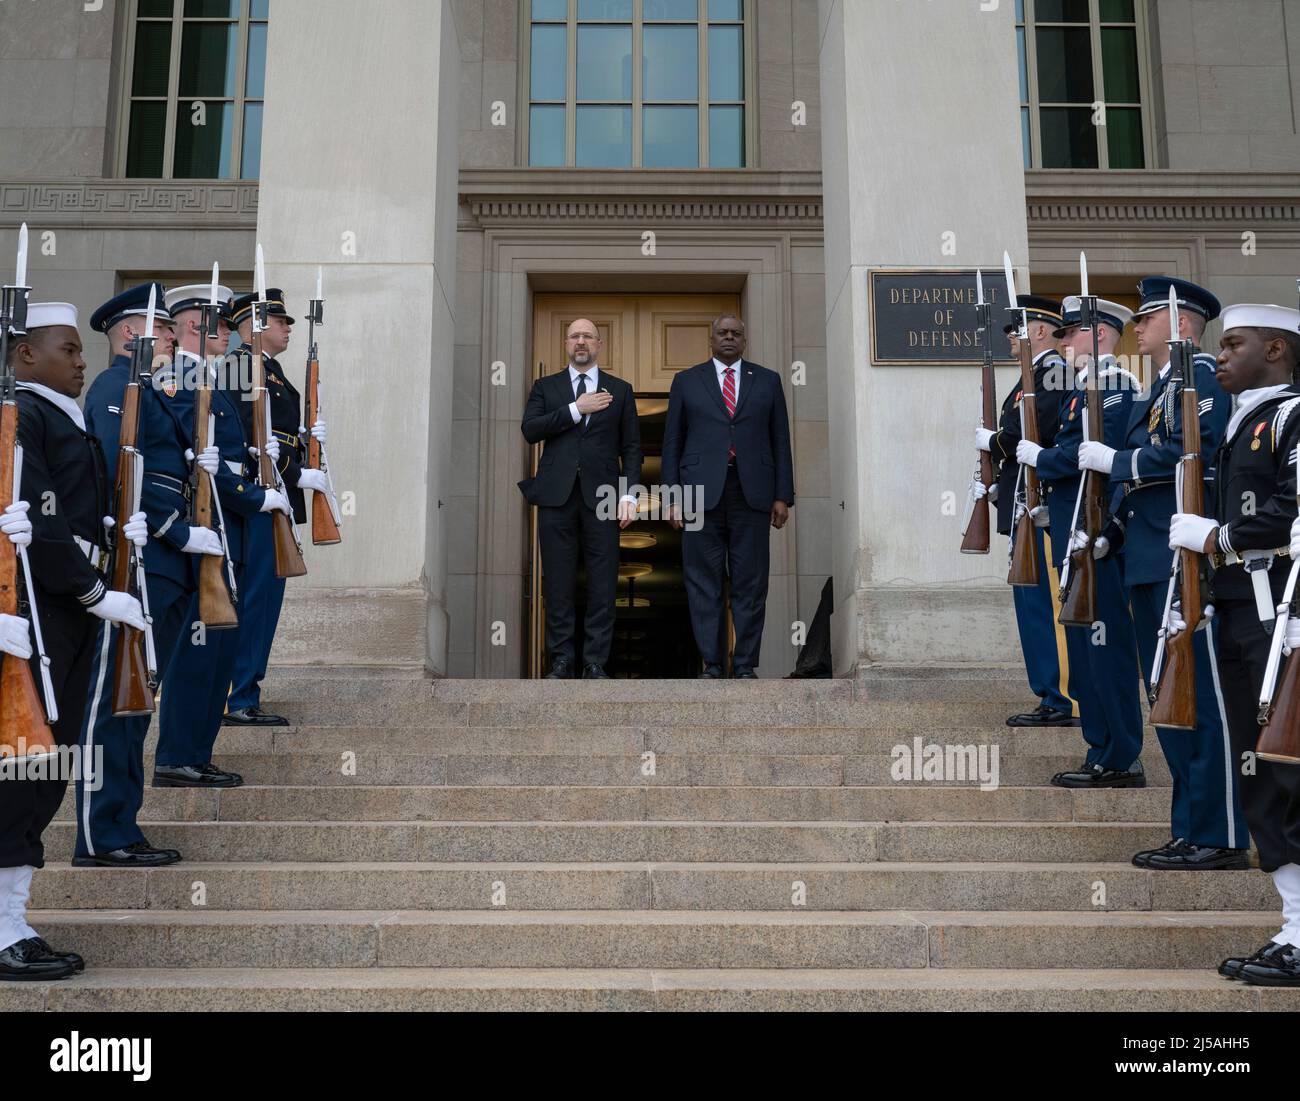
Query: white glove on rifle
x,y
119,608
136,529
1079,540
276,501
272,449
1027,453
1292,636
208,461
1177,625
1295,538
1096,456
14,523
983,438
15,637
314,480
317,432
1190,532
204,541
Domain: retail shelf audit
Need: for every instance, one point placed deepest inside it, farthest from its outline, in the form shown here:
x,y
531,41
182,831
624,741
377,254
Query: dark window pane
x,y
208,59
1025,137
721,10
604,137
203,152
605,9
261,9
1117,11
1069,137
251,164
549,59
1124,137
1119,60
605,63
672,62
672,137
211,9
676,10
162,8
546,137
153,57
255,74
1024,64
1061,11
144,144
726,63
1064,65
551,9
727,137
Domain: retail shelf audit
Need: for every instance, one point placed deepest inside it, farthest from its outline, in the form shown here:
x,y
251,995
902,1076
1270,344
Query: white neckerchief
x,y
65,403
1249,400
591,374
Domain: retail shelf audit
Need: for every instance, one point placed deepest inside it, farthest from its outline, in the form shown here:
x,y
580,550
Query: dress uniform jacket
x,y
1051,380
286,419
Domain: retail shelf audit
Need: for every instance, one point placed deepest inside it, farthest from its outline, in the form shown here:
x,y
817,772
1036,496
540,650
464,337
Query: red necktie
x,y
729,396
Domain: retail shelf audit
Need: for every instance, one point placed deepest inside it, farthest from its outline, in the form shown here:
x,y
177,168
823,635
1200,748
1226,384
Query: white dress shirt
x,y
722,368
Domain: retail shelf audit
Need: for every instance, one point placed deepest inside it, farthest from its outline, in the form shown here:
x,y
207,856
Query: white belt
x,y
97,557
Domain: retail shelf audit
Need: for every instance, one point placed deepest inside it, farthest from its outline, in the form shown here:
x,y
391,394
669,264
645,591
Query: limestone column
x,y
359,176
921,138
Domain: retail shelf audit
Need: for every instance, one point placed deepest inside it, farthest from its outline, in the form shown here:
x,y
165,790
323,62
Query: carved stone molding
x,y
127,203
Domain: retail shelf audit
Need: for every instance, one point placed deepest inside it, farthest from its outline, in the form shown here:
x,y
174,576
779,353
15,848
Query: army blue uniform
x,y
1103,666
194,691
1206,809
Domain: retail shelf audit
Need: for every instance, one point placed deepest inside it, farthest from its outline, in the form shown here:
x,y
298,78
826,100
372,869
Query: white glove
x,y
272,449
1027,453
1096,456
1292,635
1177,625
276,501
209,461
14,523
1190,532
317,432
313,479
203,541
15,636
1079,540
136,528
978,490
120,608
983,438
1295,538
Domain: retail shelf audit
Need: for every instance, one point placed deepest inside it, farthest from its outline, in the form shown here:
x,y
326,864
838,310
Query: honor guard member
x,y
108,802
1102,664
1206,821
64,473
194,690
264,594
1248,538
1036,608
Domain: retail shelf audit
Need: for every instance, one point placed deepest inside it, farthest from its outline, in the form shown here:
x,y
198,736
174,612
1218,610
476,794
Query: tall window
x,y
1081,83
196,74
637,83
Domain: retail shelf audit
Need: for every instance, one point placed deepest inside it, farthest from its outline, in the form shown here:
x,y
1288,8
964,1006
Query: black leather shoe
x,y
1231,967
1278,969
1043,715
194,776
1094,776
1184,856
711,672
594,672
560,670
252,716
744,672
27,961
71,958
1140,859
139,855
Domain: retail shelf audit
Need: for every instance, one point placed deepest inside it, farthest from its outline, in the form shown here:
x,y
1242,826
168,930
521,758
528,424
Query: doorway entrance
x,y
647,340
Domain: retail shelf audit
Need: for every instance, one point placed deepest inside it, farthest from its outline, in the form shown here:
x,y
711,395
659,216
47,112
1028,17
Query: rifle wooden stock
x,y
288,558
1024,556
23,729
216,610
1280,739
131,692
975,539
324,531
1079,598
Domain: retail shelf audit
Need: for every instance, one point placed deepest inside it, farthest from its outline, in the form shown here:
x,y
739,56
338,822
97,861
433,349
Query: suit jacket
x,y
589,450
699,434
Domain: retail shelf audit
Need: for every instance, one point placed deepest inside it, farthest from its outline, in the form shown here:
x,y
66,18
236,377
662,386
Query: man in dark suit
x,y
587,418
728,435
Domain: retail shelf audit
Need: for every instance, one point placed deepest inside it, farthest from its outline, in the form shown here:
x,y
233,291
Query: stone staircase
x,y
646,845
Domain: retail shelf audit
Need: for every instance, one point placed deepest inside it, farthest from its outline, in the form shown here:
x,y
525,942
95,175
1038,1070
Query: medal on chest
x,y
1255,444
1153,421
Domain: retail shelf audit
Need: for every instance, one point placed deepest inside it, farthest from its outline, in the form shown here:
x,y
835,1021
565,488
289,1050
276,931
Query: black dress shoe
x,y
1277,969
711,672
1140,859
1094,776
139,855
1042,715
1184,856
592,671
27,961
1231,967
252,716
743,672
71,958
194,776
560,670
